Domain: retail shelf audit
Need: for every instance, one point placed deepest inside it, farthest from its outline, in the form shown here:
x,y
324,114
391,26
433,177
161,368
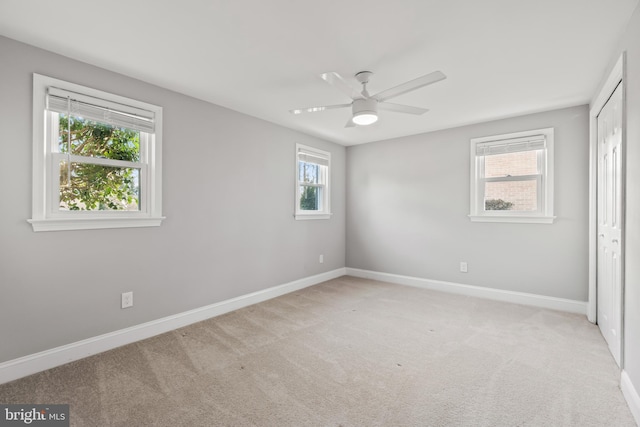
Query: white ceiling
x,y
263,57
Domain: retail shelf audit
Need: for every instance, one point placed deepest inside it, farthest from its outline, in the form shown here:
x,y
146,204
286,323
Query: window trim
x,y
544,179
326,202
44,216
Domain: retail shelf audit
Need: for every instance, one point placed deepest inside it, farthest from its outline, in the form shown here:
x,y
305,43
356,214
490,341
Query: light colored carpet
x,y
349,352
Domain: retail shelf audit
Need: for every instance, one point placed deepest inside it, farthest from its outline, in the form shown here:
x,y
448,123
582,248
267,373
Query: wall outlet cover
x,y
127,299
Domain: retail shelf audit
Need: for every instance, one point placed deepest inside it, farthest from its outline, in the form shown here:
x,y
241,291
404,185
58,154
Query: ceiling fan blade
x,y
350,124
414,84
401,108
341,84
316,109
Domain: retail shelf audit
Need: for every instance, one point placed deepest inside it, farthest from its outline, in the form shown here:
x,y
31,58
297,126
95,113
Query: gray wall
x,y
631,44
228,198
408,201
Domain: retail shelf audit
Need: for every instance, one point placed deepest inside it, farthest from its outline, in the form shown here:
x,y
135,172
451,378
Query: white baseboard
x,y
631,395
542,301
31,364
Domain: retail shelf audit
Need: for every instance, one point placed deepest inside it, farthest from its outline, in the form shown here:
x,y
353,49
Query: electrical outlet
x,y
127,299
463,267
321,260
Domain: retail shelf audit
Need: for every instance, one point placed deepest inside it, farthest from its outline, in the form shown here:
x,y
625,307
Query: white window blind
x,y
101,110
311,157
513,145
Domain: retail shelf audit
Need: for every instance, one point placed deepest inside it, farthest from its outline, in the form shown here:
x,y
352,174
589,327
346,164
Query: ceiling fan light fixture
x,y
364,118
365,111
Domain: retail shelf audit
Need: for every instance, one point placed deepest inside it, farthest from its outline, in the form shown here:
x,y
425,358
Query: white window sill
x,y
60,224
305,216
513,219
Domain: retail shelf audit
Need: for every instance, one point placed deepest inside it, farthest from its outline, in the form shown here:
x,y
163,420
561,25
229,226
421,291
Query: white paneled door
x,y
610,221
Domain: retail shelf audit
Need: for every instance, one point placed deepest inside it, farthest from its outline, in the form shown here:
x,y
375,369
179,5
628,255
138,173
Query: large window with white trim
x,y
312,183
512,177
97,159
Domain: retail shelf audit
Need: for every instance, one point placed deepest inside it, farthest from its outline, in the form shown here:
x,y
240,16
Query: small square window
x,y
512,177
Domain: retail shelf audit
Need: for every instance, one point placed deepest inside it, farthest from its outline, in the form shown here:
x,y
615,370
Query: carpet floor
x,y
349,352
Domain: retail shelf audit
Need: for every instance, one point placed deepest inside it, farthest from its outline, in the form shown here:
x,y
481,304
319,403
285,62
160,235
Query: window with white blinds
x,y
312,183
97,159
512,177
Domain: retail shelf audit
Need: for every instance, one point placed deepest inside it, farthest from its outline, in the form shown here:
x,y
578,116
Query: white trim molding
x,y
615,77
552,303
31,364
63,224
631,395
513,219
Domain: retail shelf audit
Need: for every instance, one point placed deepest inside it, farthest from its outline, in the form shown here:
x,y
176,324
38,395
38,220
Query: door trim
x,y
616,76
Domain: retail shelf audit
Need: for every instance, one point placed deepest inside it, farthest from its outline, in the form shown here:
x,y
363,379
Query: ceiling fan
x,y
365,107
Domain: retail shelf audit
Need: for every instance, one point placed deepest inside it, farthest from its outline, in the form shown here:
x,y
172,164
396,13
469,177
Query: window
x,y
512,177
312,183
96,161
